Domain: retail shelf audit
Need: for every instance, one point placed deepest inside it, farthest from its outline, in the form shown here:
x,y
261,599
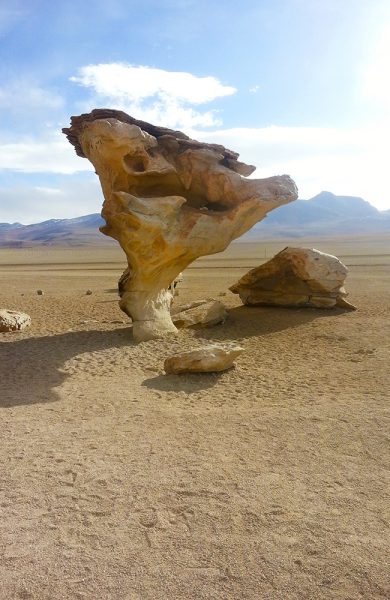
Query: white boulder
x,y
208,313
11,320
209,359
296,277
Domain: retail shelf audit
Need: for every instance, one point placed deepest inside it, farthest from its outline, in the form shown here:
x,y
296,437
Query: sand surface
x,y
269,481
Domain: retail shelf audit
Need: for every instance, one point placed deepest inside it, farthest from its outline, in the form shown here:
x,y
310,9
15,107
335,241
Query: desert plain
x,y
268,481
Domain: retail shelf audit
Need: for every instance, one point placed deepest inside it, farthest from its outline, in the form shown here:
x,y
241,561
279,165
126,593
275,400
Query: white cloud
x,y
134,83
48,190
53,154
343,161
24,96
78,195
163,97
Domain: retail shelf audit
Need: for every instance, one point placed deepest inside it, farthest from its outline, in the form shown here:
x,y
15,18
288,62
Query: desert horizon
x,y
325,216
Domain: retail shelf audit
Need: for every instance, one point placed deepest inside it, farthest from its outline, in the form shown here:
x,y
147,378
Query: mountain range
x,y
324,215
80,231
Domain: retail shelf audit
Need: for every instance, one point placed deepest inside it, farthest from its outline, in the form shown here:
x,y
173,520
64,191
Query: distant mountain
x,y
323,215
55,232
7,226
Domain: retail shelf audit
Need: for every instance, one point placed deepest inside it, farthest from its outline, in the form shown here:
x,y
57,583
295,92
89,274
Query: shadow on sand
x,y
190,383
258,321
30,368
244,322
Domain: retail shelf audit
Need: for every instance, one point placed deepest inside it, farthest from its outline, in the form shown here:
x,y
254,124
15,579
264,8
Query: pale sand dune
x,y
270,481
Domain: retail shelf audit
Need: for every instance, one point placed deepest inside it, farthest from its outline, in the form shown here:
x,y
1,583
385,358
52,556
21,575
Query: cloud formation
x,y
344,161
22,97
51,154
155,95
73,196
350,162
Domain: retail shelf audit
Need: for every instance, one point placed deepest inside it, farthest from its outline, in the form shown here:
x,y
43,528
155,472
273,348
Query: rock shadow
x,y
30,368
189,383
257,321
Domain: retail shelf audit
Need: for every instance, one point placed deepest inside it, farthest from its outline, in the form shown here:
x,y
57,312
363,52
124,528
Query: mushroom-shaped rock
x,y
296,277
12,320
209,359
168,200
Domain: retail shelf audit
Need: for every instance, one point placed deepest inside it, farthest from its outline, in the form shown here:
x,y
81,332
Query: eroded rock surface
x,y
205,314
209,359
168,200
12,320
296,277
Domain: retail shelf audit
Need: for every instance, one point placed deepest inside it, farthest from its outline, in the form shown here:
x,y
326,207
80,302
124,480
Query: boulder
x,y
168,200
209,359
12,320
296,277
193,304
206,314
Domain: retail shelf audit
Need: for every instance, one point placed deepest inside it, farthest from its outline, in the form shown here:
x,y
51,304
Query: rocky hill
x,y
80,231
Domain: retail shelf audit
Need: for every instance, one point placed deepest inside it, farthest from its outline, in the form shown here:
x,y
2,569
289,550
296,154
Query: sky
x,y
295,86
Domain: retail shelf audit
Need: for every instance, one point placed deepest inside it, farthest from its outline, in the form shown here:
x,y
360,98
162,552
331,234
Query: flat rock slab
x,y
209,359
205,313
296,277
11,320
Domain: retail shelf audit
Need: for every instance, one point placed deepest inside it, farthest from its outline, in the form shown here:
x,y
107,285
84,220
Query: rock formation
x,y
296,277
209,359
12,320
168,200
203,313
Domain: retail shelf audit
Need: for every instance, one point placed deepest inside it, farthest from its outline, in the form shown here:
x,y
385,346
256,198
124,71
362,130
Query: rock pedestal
x,y
168,200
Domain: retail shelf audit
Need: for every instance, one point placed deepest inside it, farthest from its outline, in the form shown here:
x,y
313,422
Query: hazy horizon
x,y
98,212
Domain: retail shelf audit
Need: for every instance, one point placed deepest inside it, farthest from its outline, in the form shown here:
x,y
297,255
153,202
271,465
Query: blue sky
x,y
296,86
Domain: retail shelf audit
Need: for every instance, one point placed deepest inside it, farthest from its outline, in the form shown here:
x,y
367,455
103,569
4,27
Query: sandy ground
x,y
269,481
